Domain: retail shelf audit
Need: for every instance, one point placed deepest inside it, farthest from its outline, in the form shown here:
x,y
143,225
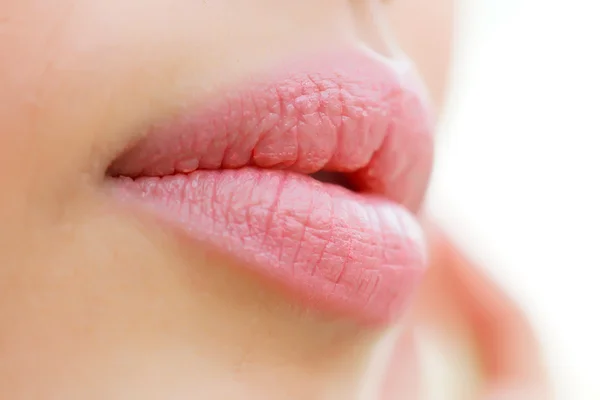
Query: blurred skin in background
x,y
92,306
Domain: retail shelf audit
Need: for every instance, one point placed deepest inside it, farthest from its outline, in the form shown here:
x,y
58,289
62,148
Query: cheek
x,y
35,146
424,30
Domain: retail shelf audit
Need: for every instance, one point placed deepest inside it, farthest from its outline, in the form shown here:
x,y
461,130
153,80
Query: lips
x,y
257,174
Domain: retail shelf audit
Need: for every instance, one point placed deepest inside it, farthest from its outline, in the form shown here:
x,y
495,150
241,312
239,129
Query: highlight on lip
x,y
235,174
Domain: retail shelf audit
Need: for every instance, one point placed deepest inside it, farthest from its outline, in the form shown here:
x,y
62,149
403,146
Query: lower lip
x,y
332,249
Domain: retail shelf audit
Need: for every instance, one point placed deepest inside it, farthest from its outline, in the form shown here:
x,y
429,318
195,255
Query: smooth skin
x,y
95,303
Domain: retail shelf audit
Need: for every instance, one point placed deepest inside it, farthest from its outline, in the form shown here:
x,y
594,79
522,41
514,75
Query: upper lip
x,y
378,134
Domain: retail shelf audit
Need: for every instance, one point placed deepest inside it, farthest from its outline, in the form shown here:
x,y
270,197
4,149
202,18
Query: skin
x,y
96,304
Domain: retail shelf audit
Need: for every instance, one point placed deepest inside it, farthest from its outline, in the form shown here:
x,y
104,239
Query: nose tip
x,y
372,25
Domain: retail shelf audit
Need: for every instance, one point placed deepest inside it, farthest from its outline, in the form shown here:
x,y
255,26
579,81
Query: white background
x,y
518,179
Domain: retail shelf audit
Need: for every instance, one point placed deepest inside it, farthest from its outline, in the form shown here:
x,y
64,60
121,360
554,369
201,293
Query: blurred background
x,y
517,175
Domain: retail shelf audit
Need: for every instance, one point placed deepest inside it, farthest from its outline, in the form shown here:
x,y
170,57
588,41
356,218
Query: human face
x,y
104,297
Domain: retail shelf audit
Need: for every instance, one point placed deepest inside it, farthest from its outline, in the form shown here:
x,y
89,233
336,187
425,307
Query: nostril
x,y
372,25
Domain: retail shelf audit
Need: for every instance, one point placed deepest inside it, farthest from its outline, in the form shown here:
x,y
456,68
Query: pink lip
x,y
234,174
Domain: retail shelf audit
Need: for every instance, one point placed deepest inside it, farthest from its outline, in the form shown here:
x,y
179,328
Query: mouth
x,y
310,177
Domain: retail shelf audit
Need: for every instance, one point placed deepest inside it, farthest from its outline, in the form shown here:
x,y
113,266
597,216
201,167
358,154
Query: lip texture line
x,y
233,175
